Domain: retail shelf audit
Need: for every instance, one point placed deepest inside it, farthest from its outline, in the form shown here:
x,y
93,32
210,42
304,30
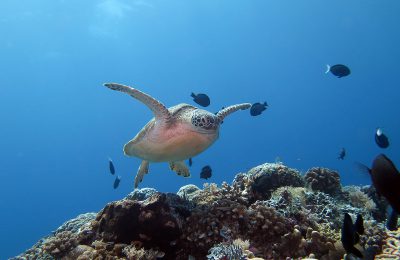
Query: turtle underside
x,y
174,140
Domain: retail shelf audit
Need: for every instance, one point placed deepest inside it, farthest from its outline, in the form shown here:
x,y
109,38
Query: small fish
x,y
391,222
338,70
190,161
206,172
381,139
342,154
386,179
117,181
257,108
111,165
351,234
201,99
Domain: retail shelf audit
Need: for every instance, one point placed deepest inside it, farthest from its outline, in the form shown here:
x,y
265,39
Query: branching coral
x,y
77,224
132,253
360,199
226,251
381,204
60,244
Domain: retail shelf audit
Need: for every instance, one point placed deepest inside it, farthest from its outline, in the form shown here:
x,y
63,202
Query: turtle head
x,y
204,120
229,110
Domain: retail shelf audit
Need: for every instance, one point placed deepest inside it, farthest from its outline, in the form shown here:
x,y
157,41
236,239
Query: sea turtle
x,y
174,134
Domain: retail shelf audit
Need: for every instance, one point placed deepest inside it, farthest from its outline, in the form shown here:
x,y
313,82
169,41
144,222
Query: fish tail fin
x,y
362,167
355,252
359,224
328,68
193,95
391,222
265,103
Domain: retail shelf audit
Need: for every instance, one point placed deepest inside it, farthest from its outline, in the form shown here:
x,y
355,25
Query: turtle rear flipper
x,y
180,168
143,169
160,112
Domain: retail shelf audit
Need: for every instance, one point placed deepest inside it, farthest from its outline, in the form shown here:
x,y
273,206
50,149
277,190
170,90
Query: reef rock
x,y
260,181
324,180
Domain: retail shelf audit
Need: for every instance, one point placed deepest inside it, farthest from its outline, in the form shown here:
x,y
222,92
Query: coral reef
x,y
379,213
75,225
141,194
360,199
151,222
259,182
324,180
267,213
391,247
226,251
372,241
189,192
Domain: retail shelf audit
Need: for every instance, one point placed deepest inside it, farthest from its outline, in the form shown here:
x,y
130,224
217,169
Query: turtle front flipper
x,y
180,168
143,169
160,112
229,110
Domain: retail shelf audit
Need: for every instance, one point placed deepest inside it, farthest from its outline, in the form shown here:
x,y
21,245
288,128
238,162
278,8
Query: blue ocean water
x,y
59,124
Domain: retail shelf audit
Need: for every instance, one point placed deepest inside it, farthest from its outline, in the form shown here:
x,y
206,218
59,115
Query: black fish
x,y
351,234
205,172
391,222
201,99
257,108
112,168
381,139
338,70
117,181
342,154
386,179
190,162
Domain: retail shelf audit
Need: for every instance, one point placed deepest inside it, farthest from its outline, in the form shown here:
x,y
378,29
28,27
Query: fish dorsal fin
x,y
390,162
159,110
362,167
356,238
359,225
229,110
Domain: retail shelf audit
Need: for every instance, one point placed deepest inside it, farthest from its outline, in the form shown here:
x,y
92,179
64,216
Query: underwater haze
x,y
59,124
